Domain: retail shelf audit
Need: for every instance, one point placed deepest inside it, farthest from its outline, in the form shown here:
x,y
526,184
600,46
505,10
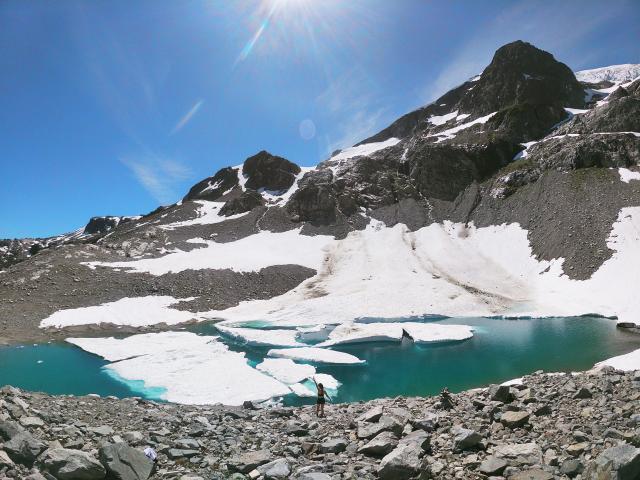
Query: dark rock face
x,y
212,188
521,73
269,172
525,121
246,202
101,224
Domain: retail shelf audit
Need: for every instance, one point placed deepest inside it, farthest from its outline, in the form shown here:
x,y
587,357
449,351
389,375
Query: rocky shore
x,y
549,426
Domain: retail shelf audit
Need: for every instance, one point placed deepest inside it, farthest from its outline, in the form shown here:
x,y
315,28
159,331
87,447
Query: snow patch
x,y
627,175
442,119
627,362
451,132
207,214
249,254
135,312
365,149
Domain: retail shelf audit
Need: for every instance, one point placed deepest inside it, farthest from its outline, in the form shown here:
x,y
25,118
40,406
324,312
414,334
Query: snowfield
x,y
454,270
614,73
249,254
134,312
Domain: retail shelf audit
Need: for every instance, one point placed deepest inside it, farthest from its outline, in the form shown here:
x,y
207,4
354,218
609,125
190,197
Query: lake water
x,y
500,350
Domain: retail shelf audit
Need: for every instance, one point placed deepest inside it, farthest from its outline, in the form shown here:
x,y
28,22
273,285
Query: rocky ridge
x,y
549,426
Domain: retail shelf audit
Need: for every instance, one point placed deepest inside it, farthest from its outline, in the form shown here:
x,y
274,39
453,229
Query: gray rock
x,y
313,476
500,393
187,444
276,469
31,422
465,439
493,465
583,392
571,467
380,445
248,461
123,462
102,430
419,437
385,424
67,464
5,461
372,415
621,462
334,445
9,429
519,453
533,474
24,448
427,422
176,453
514,419
402,463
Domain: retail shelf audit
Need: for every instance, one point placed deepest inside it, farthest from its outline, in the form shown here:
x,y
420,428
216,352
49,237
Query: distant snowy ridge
x,y
613,73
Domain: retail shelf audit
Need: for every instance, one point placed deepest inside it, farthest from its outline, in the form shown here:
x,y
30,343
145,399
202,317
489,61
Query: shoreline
x,y
546,427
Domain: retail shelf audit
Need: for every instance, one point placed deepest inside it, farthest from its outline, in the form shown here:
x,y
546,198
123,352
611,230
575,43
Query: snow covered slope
x,y
613,73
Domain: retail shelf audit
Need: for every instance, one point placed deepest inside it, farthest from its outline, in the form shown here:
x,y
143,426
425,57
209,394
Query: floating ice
x,y
315,354
192,369
286,370
262,338
387,331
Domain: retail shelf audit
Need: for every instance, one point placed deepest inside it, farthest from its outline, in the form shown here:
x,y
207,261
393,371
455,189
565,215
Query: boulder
x,y
418,437
465,439
519,453
9,429
5,461
492,466
123,462
248,461
500,393
532,474
372,415
381,445
514,419
24,448
65,464
385,424
402,463
621,462
276,469
571,467
333,445
427,422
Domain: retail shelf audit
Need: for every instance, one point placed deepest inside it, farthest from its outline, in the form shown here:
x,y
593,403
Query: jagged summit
x,y
526,89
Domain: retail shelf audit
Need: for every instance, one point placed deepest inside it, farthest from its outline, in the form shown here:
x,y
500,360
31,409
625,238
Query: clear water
x,y
500,350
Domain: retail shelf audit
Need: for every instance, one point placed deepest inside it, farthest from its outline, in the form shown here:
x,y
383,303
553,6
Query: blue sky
x,y
111,107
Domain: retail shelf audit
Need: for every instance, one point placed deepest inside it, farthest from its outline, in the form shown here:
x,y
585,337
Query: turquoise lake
x,y
500,350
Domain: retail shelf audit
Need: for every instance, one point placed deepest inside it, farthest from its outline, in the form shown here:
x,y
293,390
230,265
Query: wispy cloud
x,y
558,27
159,176
186,118
352,102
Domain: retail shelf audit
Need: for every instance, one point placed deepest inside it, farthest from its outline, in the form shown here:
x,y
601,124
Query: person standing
x,y
322,394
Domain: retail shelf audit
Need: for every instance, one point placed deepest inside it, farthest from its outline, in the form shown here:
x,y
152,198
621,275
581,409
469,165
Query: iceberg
x,y
316,355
